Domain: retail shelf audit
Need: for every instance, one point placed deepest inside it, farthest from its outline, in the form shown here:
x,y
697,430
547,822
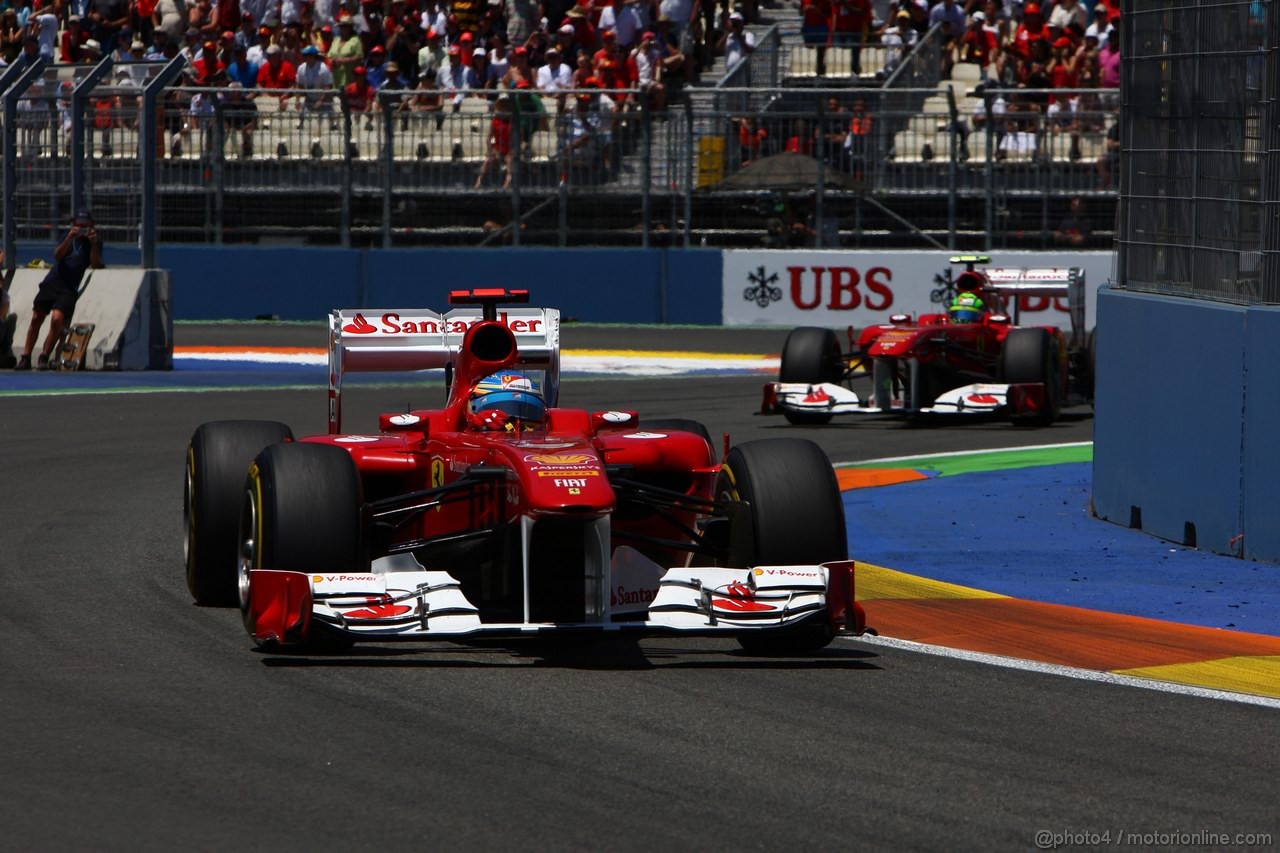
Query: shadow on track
x,y
607,657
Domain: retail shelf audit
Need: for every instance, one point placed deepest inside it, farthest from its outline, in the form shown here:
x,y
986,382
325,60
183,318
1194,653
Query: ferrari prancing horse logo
x,y
437,475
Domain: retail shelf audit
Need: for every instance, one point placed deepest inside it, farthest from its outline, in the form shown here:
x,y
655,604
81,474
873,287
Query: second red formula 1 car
x,y
503,514
965,363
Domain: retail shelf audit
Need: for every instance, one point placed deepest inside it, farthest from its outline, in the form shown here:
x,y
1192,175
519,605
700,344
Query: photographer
x,y
78,251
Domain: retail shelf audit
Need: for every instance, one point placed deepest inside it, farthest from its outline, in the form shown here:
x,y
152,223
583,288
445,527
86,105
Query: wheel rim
x,y
246,557
188,514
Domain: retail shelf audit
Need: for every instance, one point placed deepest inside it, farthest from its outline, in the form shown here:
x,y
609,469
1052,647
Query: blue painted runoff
x,y
1027,533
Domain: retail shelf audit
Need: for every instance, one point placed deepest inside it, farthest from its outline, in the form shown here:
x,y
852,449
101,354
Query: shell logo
x,y
560,458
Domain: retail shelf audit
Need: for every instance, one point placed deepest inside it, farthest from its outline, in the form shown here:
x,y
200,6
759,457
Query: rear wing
x,y
363,341
1012,282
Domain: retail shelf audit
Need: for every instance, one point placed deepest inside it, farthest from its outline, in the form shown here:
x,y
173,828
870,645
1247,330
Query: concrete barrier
x,y
592,285
1169,419
130,310
1260,457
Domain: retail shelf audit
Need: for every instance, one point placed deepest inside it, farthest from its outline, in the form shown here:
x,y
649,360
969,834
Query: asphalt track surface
x,y
134,720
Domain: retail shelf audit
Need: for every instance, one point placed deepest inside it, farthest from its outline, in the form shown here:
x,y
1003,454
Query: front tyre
x,y
301,512
811,355
1032,356
797,518
217,459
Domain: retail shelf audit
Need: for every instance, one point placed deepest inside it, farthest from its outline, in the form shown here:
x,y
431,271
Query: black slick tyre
x,y
218,458
811,355
1031,356
301,511
797,518
681,425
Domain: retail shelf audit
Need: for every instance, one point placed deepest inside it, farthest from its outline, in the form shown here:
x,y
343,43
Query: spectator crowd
x,y
432,55
1043,67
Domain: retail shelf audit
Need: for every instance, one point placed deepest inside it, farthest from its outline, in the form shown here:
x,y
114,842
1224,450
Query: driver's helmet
x,y
515,395
967,307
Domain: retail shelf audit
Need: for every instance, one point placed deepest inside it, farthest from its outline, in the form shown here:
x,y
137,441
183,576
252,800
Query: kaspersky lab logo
x,y
763,289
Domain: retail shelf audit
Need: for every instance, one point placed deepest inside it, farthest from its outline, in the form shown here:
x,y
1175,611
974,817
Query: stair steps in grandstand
x,y
931,127
460,137
802,63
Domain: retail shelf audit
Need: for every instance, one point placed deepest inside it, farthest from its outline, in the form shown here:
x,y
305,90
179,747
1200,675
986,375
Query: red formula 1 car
x,y
502,514
935,365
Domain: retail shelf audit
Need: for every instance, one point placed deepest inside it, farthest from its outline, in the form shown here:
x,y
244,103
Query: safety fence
x,y
1201,173
914,167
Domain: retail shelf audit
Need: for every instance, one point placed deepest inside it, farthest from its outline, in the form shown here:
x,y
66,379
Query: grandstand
x,y
935,171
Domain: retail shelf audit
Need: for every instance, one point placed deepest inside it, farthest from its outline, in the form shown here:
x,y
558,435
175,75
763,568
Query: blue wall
x,y
304,283
1187,403
1261,454
596,285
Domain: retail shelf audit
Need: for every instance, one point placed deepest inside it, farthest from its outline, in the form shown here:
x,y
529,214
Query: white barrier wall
x,y
129,307
858,288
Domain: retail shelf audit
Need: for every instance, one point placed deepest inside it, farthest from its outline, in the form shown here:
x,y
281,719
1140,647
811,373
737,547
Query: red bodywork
x,y
966,352
435,484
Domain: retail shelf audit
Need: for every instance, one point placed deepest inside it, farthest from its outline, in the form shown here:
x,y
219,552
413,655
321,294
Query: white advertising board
x,y
857,288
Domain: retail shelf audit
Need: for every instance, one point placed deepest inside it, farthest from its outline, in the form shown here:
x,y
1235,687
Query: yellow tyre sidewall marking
x,y
256,476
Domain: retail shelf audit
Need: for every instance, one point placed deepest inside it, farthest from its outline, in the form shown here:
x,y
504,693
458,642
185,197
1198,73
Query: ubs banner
x,y
859,288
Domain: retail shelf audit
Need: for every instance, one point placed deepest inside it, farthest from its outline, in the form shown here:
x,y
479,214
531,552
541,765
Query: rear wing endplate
x,y
410,339
1013,282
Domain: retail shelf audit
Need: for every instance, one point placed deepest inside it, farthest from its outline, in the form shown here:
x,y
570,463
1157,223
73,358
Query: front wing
x,y
826,398
288,608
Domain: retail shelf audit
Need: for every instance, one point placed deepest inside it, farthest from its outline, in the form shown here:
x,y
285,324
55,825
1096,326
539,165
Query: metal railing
x,y
1200,150
411,168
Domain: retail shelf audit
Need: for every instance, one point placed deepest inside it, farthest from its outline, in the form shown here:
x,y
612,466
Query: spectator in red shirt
x,y
1063,66
815,28
850,19
980,45
277,73
73,39
227,15
608,39
500,142
612,69
801,140
1032,29
751,139
207,64
360,95
858,142
584,34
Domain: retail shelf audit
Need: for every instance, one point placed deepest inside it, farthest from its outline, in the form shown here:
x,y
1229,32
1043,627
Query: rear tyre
x,y
301,512
682,425
811,355
797,518
217,459
1031,355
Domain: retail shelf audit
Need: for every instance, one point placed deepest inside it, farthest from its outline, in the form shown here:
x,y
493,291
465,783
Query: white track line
x,y
1072,672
